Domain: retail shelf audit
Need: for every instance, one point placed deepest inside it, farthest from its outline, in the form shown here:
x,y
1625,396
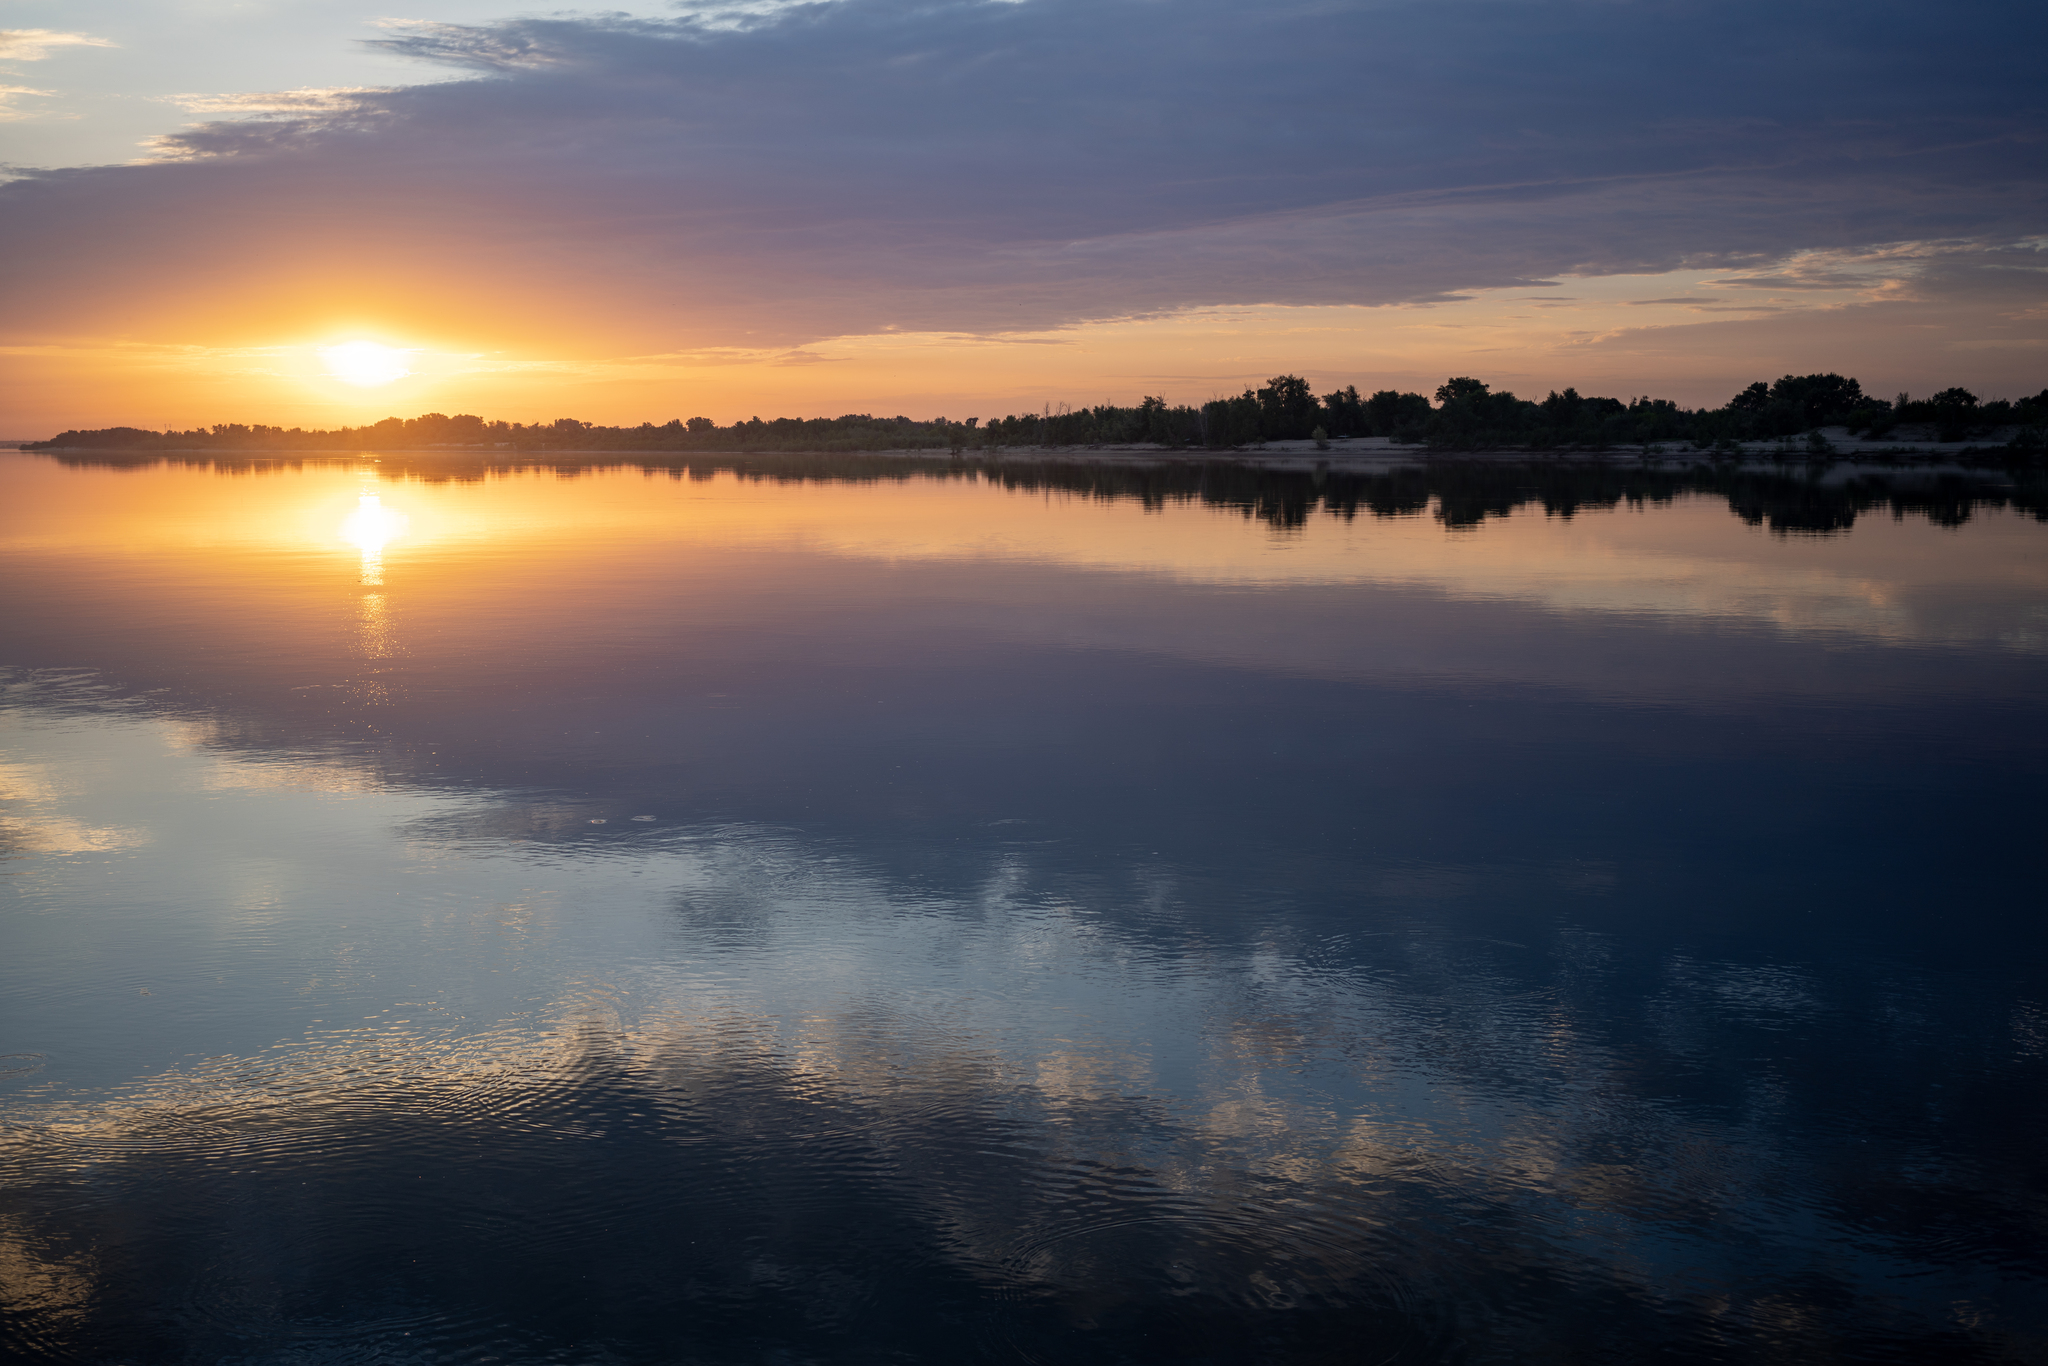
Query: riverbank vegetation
x,y
1463,414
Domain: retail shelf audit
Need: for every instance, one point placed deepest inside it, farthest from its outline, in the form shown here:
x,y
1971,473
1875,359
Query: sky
x,y
972,207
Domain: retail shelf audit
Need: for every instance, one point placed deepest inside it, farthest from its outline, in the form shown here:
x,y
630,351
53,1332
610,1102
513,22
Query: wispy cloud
x,y
10,93
288,103
501,48
34,44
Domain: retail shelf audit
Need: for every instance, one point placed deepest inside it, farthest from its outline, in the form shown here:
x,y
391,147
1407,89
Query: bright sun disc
x,y
365,363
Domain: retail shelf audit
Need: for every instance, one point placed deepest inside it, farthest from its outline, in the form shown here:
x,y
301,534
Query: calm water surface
x,y
624,915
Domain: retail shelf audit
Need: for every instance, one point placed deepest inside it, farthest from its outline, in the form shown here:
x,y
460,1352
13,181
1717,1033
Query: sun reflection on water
x,y
374,637
370,528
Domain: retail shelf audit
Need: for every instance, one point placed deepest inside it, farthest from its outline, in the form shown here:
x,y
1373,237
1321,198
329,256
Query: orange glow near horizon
x,y
1692,336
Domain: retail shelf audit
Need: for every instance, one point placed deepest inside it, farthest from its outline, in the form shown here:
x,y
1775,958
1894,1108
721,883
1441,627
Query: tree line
x,y
1464,414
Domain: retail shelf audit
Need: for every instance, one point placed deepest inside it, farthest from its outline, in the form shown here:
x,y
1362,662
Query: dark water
x,y
1199,917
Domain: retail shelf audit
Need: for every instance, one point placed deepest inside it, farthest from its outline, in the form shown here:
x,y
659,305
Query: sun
x,y
365,363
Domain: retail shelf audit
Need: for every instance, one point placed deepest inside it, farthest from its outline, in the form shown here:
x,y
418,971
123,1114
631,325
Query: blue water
x,y
624,915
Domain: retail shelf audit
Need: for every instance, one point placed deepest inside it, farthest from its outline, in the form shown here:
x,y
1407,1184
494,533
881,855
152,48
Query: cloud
x,y
302,102
761,176
11,93
34,44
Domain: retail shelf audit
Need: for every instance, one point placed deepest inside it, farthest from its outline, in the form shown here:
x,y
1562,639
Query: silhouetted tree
x,y
1818,400
1287,409
1397,414
1466,391
1755,399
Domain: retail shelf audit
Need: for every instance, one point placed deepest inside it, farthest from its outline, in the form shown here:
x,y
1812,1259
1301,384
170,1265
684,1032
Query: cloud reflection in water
x,y
735,1092
1032,960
